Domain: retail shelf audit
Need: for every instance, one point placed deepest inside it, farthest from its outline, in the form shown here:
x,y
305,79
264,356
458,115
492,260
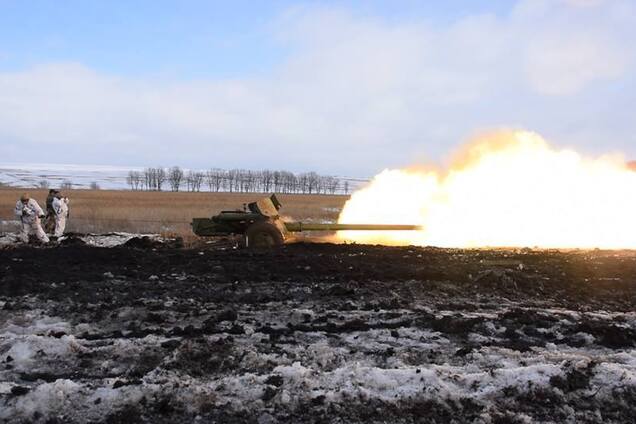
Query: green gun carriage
x,y
260,225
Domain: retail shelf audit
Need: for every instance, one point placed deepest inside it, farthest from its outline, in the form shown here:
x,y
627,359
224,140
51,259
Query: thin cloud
x,y
357,94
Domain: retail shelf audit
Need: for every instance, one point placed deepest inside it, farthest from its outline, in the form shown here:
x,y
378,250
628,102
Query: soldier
x,y
30,212
49,223
60,208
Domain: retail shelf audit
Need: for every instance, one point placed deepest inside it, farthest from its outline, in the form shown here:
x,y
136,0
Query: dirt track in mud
x,y
316,333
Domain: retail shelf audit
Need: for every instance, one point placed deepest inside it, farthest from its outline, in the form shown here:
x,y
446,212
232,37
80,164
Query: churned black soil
x,y
574,279
203,304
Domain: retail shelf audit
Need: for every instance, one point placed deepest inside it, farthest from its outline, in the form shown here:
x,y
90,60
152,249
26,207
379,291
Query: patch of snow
x,y
9,239
31,323
31,352
97,240
113,239
299,316
48,398
9,222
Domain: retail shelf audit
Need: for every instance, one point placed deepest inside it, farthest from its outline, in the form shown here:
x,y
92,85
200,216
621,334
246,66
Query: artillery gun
x,y
261,225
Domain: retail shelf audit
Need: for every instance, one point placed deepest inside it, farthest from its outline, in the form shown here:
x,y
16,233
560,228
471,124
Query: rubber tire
x,y
263,235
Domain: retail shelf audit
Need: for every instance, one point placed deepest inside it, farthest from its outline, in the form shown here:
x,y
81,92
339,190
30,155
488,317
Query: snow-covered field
x,y
82,176
318,333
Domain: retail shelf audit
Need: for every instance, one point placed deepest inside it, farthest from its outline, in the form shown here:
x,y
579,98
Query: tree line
x,y
235,180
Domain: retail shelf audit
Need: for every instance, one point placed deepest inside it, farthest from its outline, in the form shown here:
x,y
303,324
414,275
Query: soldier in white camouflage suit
x,y
60,208
30,212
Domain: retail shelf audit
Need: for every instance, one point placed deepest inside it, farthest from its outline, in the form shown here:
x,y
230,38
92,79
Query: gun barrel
x,y
301,226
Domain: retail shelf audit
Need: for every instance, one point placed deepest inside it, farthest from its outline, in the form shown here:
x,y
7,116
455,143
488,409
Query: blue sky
x,y
286,84
189,39
183,39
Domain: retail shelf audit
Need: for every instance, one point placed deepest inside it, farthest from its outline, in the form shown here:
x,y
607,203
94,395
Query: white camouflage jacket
x,y
30,212
60,206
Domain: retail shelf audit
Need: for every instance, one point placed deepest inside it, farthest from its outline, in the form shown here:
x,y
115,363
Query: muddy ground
x,y
150,332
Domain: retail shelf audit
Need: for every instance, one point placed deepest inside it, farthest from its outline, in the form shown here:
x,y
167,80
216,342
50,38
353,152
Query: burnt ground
x,y
316,333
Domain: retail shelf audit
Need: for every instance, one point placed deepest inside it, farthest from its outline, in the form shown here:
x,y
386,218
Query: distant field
x,y
100,211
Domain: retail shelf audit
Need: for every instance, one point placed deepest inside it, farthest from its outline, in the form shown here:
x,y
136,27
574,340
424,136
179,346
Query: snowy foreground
x,y
9,240
316,334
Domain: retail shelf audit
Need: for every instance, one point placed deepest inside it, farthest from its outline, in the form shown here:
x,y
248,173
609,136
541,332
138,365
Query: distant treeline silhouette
x,y
235,180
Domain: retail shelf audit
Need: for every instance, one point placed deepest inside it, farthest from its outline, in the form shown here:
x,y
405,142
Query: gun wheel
x,y
263,234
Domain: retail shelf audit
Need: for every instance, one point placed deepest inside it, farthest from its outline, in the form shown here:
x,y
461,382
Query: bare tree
x,y
43,184
194,180
175,178
94,185
331,185
289,182
149,178
240,180
198,180
214,179
277,181
154,178
66,185
313,181
130,180
237,180
302,183
209,179
267,178
232,179
160,177
309,182
249,181
134,179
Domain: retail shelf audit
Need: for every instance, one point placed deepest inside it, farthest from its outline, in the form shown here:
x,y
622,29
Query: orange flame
x,y
509,189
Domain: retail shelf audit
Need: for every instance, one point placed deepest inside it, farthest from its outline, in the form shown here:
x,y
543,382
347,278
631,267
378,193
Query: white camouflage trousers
x,y
60,225
32,227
